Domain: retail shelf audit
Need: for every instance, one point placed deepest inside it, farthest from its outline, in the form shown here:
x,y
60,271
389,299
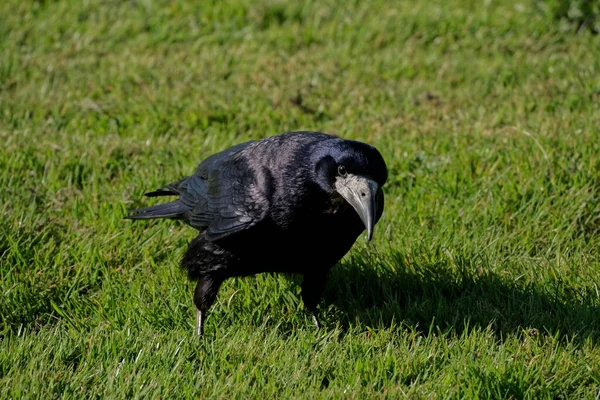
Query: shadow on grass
x,y
451,298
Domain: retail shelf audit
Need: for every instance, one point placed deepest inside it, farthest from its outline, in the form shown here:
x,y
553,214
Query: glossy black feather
x,y
269,206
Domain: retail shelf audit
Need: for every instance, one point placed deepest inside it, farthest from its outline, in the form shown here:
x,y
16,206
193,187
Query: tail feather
x,y
172,189
161,192
173,209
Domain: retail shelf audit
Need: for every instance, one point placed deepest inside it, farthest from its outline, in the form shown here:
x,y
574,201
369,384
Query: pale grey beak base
x,y
361,193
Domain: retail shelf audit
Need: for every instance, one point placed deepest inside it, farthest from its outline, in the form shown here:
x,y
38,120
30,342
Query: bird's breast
x,y
313,241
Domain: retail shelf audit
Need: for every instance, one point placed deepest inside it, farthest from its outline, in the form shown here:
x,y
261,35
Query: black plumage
x,y
294,203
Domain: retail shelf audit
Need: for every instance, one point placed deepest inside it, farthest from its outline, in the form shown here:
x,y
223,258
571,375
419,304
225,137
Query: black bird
x,y
294,203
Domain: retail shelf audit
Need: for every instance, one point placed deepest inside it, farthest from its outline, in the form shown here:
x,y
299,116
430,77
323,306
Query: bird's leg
x,y
315,319
312,291
199,322
204,296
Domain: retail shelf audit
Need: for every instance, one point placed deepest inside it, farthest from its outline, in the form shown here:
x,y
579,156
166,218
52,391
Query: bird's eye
x,y
342,170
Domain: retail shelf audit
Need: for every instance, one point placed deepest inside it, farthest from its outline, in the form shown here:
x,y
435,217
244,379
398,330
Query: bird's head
x,y
355,171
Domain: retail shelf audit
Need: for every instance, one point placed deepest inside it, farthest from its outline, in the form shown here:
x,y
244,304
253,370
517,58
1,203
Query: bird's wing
x,y
179,187
224,195
192,192
235,200
214,162
241,187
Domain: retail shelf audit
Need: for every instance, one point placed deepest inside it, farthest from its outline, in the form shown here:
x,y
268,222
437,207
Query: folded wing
x,y
224,196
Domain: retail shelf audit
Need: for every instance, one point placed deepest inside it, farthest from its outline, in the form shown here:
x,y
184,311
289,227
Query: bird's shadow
x,y
458,295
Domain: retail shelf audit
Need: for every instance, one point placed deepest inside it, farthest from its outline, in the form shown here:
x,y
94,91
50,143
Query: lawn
x,y
483,278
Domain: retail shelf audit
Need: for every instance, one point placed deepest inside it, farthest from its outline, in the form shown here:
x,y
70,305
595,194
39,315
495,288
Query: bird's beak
x,y
360,192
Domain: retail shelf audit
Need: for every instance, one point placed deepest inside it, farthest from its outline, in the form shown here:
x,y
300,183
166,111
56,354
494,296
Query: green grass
x,y
483,277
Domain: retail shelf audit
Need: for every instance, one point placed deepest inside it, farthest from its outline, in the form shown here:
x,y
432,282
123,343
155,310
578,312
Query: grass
x,y
483,277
